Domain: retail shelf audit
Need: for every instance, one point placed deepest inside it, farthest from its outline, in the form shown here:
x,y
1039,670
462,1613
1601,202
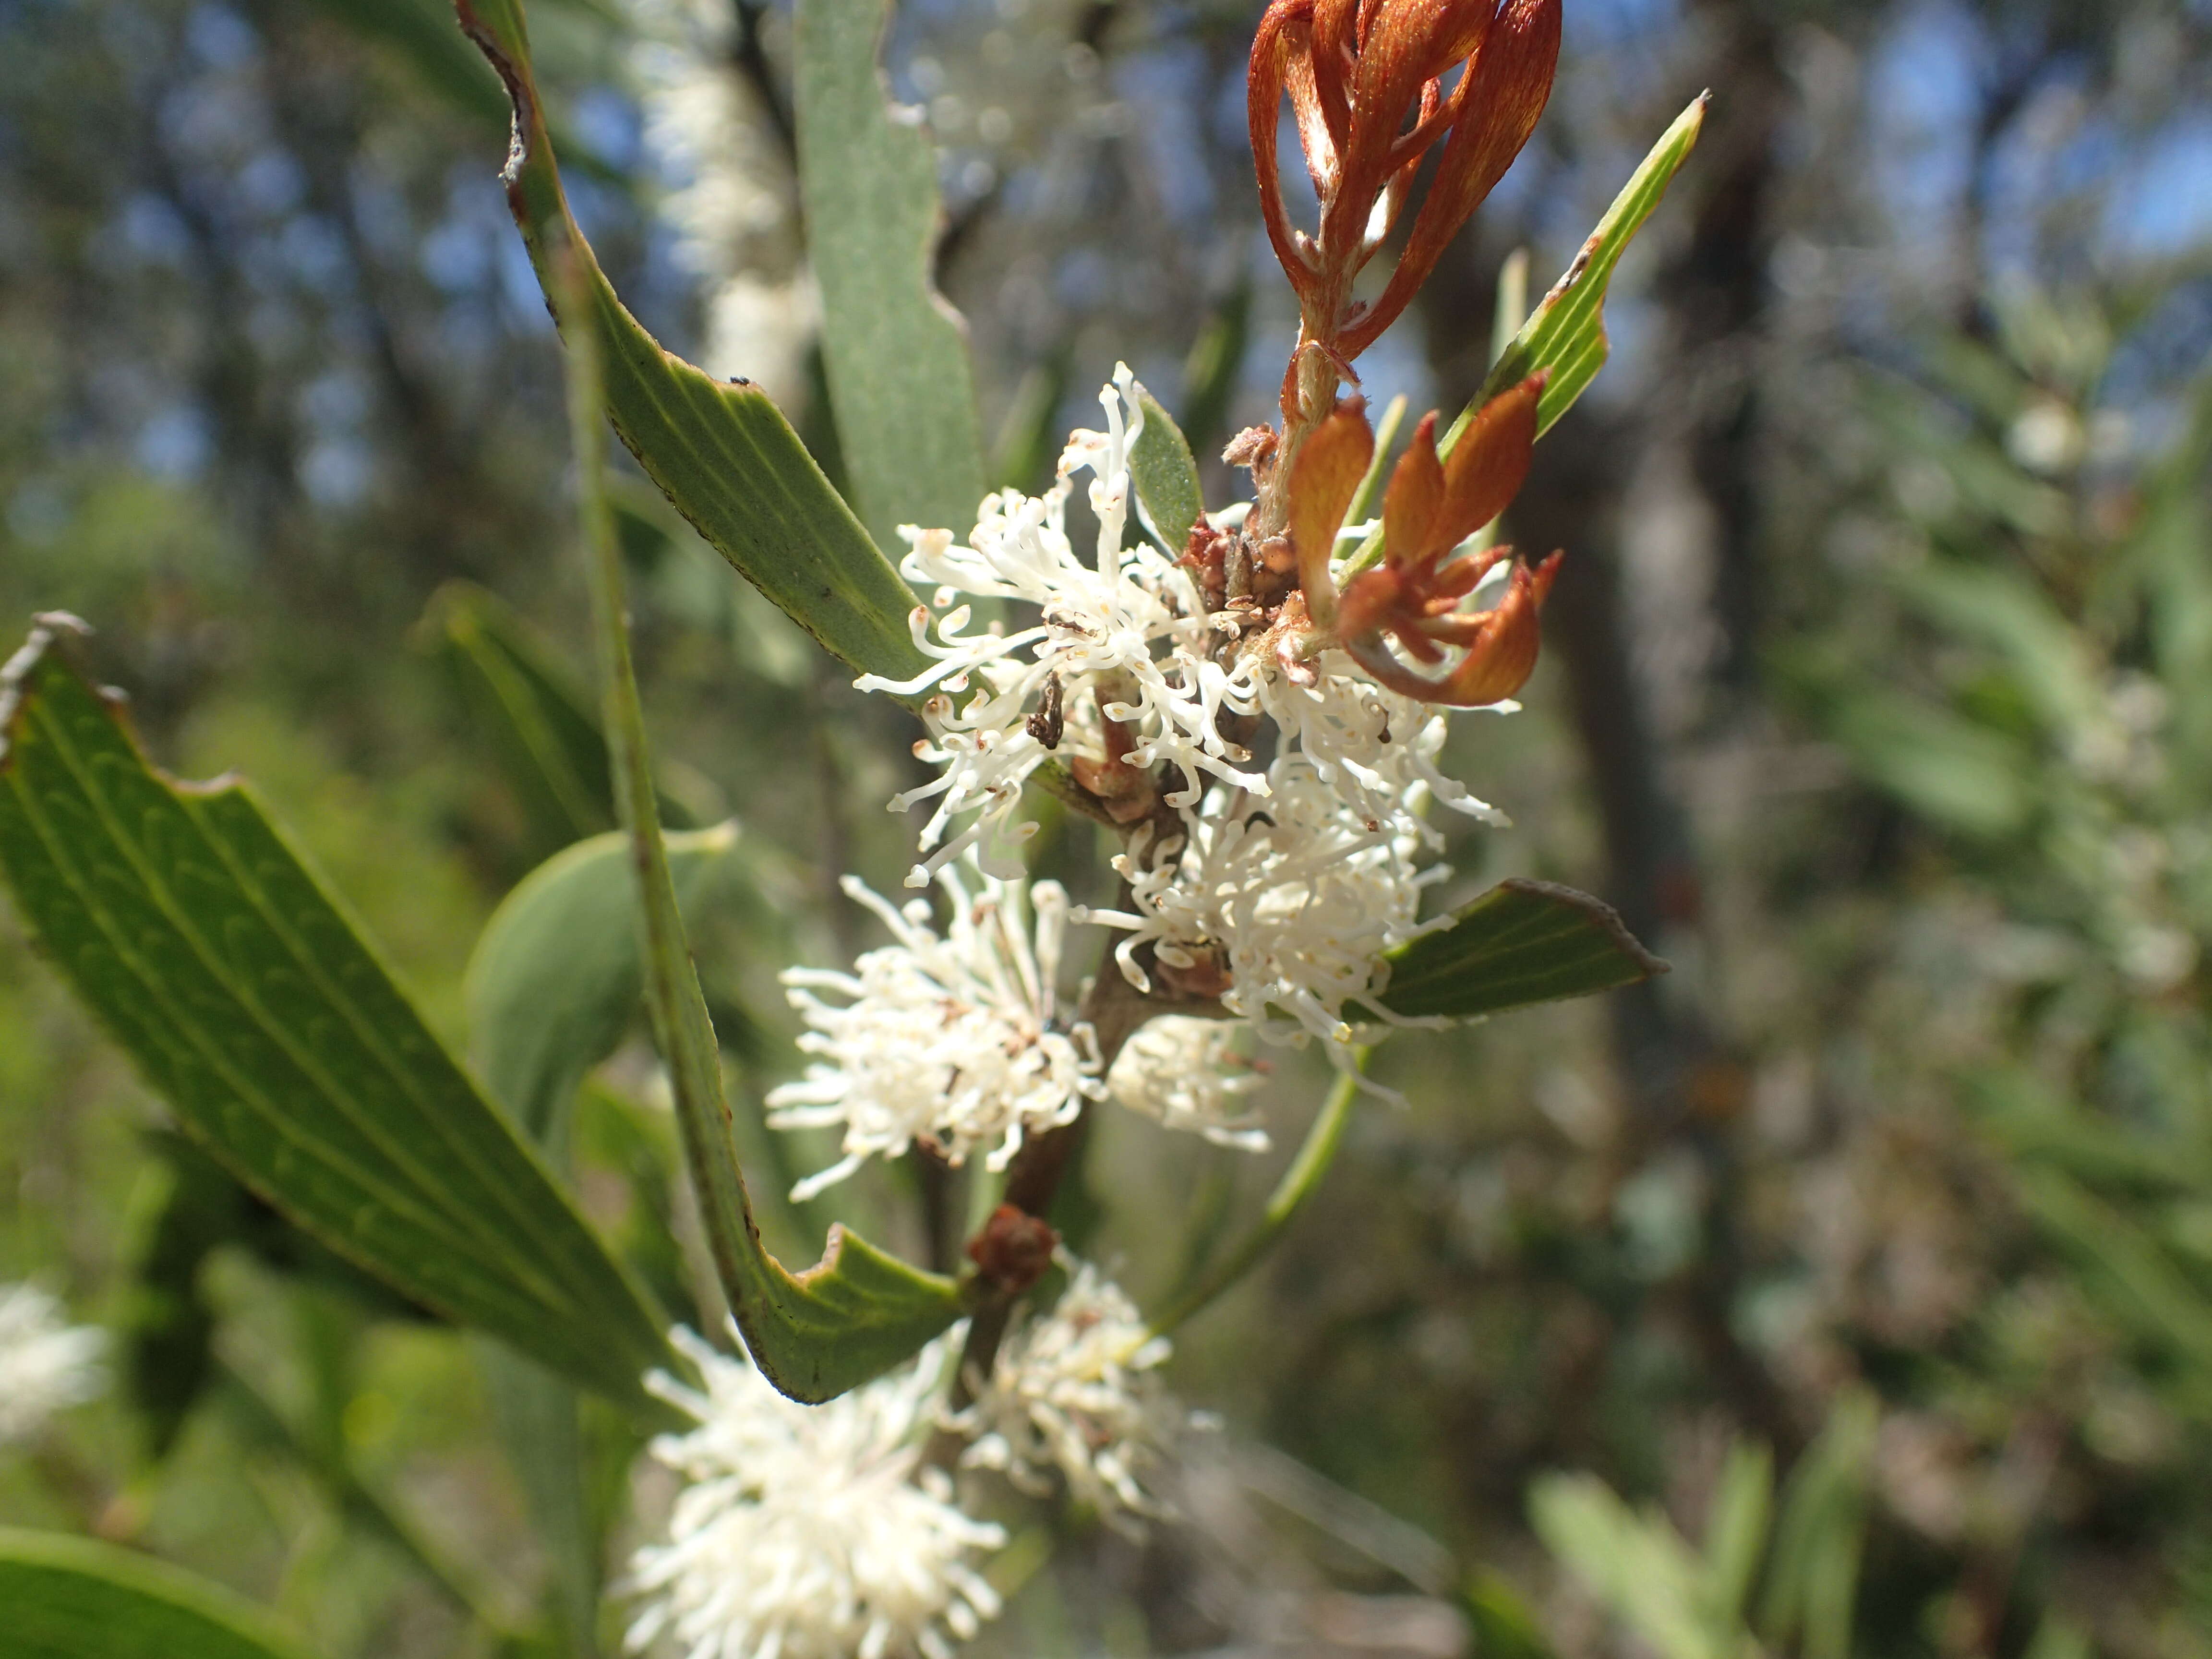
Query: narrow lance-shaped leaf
x,y
553,984
546,736
722,452
1521,942
188,924
1565,336
858,1311
895,354
63,1597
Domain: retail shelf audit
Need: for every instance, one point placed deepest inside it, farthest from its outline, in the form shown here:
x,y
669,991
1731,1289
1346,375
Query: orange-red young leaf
x,y
1411,504
1324,480
1503,653
1485,468
1492,111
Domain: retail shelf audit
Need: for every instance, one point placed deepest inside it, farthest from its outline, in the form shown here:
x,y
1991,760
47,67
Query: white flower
x,y
1078,1389
1128,629
809,1531
46,1363
1188,1074
954,1039
1294,898
1374,745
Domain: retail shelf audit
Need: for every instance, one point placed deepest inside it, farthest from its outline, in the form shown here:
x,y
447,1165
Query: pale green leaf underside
x,y
1521,942
185,920
556,980
1565,334
1166,477
722,452
897,355
63,1597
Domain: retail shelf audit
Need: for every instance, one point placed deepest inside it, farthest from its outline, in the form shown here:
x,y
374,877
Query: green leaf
x,y
555,979
1812,1576
1503,1627
63,1597
188,924
1520,943
1565,334
858,1311
2133,1279
1736,1529
723,453
1636,1564
1160,465
553,984
1962,774
896,354
258,1424
2004,610
542,729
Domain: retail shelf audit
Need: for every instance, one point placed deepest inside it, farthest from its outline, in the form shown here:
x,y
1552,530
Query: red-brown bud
x,y
1013,1250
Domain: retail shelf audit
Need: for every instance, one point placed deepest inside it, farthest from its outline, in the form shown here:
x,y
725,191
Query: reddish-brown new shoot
x,y
1433,504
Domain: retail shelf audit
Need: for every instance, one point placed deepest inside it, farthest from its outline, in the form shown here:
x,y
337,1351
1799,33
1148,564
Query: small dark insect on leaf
x,y
1051,719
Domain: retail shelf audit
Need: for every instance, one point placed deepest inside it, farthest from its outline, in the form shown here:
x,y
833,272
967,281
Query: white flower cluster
x,y
1078,1390
1377,748
809,1531
1285,882
1190,1075
820,1532
1127,634
954,1039
1296,895
46,1363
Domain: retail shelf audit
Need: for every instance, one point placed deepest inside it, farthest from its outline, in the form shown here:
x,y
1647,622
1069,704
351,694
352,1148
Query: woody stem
x,y
1115,1010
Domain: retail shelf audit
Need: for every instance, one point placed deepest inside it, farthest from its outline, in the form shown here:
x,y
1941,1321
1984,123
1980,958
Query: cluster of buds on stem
x,y
1366,82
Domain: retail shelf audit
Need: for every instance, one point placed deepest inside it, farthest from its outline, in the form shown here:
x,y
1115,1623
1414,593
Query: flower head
x,y
1115,669
952,1039
1189,1074
1077,1390
1281,906
809,1531
46,1363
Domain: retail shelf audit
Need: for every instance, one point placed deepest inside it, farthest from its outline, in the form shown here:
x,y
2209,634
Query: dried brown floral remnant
x,y
1365,79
